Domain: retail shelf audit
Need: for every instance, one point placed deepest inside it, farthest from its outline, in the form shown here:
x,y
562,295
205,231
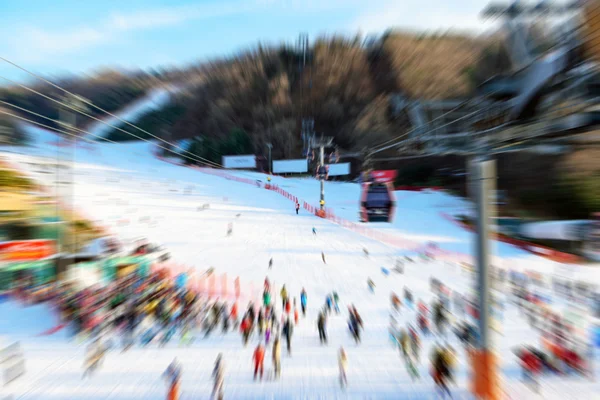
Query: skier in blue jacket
x,y
303,301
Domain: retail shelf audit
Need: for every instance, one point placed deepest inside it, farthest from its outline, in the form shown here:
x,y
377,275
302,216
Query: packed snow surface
x,y
136,195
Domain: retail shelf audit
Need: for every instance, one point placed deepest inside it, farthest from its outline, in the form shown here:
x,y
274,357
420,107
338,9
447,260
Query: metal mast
x,y
321,171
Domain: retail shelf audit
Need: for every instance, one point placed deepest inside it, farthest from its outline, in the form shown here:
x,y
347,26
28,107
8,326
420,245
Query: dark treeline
x,y
110,90
346,86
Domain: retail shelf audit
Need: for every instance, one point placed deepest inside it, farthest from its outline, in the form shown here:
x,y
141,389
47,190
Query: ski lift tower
x,y
532,76
321,143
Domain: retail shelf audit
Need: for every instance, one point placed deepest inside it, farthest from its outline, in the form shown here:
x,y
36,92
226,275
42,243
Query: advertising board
x,y
385,175
339,169
290,166
246,161
12,363
26,250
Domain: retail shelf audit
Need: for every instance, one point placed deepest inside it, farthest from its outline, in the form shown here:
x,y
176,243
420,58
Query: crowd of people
x,y
408,339
561,350
154,309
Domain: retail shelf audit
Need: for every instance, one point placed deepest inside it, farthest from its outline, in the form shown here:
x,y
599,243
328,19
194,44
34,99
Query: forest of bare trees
x,y
345,86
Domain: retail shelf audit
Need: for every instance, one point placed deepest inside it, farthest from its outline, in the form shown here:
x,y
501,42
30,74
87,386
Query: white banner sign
x,y
248,161
12,363
339,169
290,166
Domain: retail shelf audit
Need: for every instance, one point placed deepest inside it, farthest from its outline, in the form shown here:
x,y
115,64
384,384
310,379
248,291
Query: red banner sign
x,y
26,250
385,175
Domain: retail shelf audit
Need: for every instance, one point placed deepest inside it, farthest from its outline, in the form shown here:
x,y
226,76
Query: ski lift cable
x,y
60,130
378,149
93,105
463,103
474,133
66,126
400,137
145,140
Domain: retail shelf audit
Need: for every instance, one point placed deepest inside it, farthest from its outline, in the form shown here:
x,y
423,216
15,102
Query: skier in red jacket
x,y
258,358
532,366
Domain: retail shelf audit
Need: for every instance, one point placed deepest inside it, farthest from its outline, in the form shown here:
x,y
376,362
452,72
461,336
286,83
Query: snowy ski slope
x,y
117,183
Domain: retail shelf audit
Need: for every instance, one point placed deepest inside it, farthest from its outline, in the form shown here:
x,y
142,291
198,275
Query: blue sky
x,y
73,36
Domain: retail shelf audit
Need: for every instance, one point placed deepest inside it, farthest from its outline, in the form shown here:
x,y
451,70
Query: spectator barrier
x,y
541,251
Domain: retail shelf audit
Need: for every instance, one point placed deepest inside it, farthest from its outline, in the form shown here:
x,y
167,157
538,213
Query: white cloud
x,y
175,15
422,15
34,44
61,41
311,5
143,20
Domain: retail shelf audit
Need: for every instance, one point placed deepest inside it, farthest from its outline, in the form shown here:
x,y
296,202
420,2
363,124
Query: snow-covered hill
x,y
126,188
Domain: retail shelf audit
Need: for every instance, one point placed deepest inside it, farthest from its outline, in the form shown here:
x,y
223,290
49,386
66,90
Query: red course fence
x,y
542,251
394,240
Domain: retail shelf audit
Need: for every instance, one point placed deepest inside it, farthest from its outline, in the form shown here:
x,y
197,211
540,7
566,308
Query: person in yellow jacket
x,y
151,306
276,357
449,357
343,364
284,296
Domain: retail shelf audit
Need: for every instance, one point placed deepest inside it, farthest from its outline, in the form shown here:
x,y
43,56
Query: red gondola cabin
x,y
377,203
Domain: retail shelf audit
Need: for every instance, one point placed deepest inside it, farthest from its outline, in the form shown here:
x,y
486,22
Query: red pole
x,y
237,287
211,285
224,285
201,285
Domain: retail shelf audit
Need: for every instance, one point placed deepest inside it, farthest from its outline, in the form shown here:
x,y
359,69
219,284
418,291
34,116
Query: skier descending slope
x,y
323,258
314,231
396,302
303,301
295,312
440,371
329,303
266,297
268,328
531,366
415,342
321,326
219,377
284,296
371,285
225,317
336,302
271,263
343,364
229,229
276,358
259,359
173,376
245,328
94,357
440,317
288,329
406,345
297,208
260,322
399,267
288,307
355,323
233,315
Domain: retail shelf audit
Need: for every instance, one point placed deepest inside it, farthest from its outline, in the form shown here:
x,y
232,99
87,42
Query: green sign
x,y
19,266
50,219
144,268
42,271
109,269
111,264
